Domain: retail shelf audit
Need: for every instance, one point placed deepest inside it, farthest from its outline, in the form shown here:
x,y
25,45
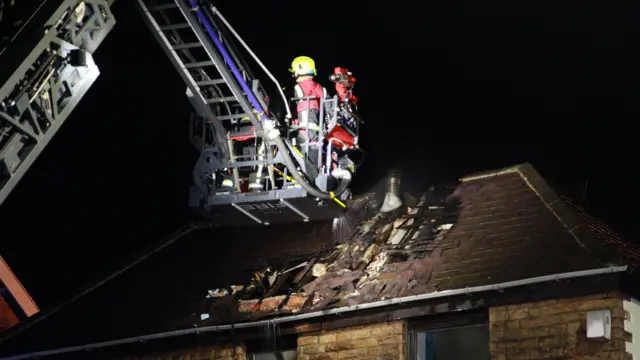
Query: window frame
x,y
278,343
459,319
252,355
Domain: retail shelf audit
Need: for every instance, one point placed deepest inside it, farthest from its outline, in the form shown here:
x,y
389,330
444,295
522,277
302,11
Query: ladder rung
x,y
198,64
221,99
231,117
210,82
187,45
162,7
175,26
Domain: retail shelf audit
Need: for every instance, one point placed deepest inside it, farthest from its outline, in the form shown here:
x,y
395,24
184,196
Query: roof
x,y
487,228
603,232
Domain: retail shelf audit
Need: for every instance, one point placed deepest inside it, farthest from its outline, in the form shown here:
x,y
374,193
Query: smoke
x,y
344,226
392,198
411,182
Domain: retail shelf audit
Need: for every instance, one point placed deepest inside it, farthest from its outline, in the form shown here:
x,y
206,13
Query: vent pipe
x,y
392,199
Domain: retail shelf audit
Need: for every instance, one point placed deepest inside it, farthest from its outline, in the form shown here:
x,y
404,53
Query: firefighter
x,y
344,81
308,94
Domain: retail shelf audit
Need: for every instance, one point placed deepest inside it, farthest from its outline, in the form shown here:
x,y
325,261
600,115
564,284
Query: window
x,y
468,342
450,338
277,355
274,347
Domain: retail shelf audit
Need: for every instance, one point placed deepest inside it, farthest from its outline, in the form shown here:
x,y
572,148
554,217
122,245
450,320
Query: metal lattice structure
x,y
40,90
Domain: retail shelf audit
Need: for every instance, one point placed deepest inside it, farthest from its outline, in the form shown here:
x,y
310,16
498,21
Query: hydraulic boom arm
x,y
46,69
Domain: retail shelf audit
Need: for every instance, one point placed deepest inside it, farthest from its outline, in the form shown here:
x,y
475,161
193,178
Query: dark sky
x,y
446,89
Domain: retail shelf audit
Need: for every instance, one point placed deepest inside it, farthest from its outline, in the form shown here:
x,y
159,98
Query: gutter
x,y
321,313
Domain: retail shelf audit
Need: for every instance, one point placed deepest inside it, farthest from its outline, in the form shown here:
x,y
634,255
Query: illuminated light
x,y
227,183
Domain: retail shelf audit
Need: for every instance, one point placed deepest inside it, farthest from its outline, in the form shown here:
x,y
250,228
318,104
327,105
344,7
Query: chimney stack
x,y
392,199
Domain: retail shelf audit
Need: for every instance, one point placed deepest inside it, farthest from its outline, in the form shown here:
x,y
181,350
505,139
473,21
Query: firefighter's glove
x,y
341,174
270,130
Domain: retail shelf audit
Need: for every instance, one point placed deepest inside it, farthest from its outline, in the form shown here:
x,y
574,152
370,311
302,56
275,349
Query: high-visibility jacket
x,y
309,87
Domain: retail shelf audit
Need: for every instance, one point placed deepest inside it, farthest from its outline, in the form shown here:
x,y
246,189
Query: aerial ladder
x,y
250,171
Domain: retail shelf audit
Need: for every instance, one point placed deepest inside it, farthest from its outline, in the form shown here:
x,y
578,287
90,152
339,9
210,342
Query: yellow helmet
x,y
303,65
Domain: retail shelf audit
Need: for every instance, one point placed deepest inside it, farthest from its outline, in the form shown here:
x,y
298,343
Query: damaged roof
x,y
487,228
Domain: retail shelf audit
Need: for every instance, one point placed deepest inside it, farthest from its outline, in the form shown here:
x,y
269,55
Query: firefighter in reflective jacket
x,y
308,94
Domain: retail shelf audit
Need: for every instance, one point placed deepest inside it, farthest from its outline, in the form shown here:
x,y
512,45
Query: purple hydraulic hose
x,y
232,66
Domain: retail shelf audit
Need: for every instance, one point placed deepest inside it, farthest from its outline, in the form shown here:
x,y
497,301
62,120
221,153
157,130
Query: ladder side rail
x,y
199,74
230,46
200,102
225,64
198,138
233,48
241,62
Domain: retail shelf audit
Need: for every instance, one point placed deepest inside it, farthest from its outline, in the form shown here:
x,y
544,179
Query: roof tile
x,y
630,250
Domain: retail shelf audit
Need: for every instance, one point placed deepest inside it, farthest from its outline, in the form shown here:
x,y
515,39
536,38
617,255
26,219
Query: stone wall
x,y
556,329
380,341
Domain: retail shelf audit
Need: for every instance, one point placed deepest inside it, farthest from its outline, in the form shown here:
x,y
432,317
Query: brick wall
x,y
556,329
380,341
372,342
202,353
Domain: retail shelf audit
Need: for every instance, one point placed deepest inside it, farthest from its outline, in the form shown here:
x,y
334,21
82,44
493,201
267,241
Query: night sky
x,y
445,88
